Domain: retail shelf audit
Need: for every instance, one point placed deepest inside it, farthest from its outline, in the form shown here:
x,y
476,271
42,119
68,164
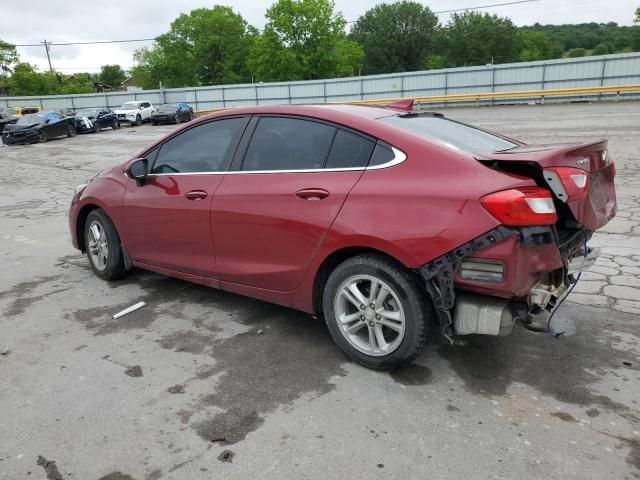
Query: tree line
x,y
309,39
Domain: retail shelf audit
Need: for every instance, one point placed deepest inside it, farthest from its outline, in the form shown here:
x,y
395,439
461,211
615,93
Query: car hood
x,y
127,111
12,127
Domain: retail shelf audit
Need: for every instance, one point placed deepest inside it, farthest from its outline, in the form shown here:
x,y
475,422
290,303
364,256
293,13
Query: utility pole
x,y
46,47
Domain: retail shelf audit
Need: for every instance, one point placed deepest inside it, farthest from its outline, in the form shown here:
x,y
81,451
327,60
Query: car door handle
x,y
196,195
312,193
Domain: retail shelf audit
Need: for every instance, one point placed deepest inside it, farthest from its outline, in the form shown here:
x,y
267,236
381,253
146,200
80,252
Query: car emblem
x,y
583,161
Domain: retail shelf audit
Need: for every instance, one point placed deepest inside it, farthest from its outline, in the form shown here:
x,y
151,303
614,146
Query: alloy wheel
x,y
369,315
97,246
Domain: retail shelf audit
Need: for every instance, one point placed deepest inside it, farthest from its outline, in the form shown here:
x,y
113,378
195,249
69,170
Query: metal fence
x,y
618,69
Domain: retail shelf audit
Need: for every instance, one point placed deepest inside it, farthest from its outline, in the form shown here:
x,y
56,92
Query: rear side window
x,y
349,151
288,144
203,148
381,154
450,133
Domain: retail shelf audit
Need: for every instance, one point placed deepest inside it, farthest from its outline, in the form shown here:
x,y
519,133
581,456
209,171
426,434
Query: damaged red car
x,y
393,225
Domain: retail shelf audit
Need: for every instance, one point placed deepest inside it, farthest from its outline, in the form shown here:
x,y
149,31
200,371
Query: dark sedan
x,y
172,113
6,119
95,119
38,127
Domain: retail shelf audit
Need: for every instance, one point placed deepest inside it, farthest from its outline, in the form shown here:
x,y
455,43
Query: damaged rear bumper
x,y
483,286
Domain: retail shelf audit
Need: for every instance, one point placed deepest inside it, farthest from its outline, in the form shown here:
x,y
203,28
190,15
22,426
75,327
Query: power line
x,y
96,42
486,6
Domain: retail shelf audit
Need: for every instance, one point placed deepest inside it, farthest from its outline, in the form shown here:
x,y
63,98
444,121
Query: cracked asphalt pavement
x,y
204,384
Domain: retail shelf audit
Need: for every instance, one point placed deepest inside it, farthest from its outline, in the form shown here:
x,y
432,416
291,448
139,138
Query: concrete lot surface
x,y
201,384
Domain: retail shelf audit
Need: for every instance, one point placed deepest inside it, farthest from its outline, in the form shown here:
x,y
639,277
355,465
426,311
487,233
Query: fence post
x,y
446,83
73,105
224,101
195,97
493,81
402,86
256,88
544,79
604,68
289,92
324,91
361,88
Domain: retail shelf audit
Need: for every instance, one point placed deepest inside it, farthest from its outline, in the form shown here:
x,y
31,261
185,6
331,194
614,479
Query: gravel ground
x,y
205,384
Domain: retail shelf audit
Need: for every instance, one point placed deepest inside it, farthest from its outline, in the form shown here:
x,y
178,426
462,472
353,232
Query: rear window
x,y
450,133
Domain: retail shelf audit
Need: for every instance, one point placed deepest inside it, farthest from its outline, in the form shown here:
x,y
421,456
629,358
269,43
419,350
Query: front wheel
x,y
96,127
376,312
71,131
102,243
42,136
138,120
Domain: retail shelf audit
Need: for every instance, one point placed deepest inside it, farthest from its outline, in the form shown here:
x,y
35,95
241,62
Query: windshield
x,y
130,106
33,119
451,133
167,108
87,112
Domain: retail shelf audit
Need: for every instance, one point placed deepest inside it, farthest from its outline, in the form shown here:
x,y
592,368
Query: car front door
x,y
57,124
286,187
167,220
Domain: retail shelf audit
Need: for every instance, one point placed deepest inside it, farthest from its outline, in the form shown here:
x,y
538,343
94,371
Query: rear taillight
x,y
526,206
572,182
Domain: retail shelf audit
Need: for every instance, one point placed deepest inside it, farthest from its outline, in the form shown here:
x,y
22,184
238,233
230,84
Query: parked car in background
x,y
6,119
21,111
391,225
134,113
172,113
95,119
38,127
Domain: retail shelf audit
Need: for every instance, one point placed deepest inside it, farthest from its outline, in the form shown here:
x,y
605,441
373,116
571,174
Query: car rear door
x,y
288,182
167,220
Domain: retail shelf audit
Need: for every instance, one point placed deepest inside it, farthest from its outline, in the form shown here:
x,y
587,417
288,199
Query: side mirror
x,y
48,120
138,170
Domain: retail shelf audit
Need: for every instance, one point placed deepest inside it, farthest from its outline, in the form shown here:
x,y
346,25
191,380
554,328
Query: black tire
x,y
71,131
42,136
96,127
116,124
418,310
154,123
138,120
115,266
177,118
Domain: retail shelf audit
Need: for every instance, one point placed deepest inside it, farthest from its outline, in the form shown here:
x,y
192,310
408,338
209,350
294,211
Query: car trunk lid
x,y
580,175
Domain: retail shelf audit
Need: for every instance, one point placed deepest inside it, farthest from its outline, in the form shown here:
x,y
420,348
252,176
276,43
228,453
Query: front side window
x,y
280,143
450,133
204,148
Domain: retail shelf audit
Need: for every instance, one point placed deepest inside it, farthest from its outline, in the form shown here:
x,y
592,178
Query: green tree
x,y
473,38
576,53
27,81
8,59
397,37
635,39
208,46
637,19
76,83
303,39
535,46
601,49
112,75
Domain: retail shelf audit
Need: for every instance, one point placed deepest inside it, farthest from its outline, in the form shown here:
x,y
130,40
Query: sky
x,y
28,22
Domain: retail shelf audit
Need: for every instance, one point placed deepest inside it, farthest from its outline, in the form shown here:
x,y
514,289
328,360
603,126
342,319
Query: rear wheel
x,y
177,118
116,124
97,127
103,246
71,131
376,312
138,120
42,136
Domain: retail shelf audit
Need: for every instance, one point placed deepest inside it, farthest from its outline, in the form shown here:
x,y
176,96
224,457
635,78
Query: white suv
x,y
134,113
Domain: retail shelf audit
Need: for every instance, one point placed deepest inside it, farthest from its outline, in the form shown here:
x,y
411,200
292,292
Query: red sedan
x,y
390,223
